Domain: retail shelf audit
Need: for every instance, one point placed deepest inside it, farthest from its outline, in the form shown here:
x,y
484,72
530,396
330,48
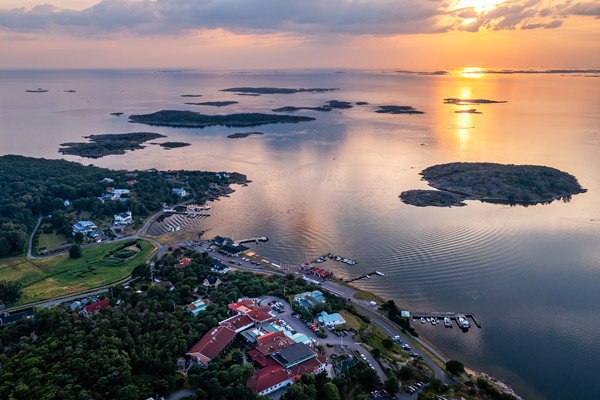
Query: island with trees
x,y
191,119
273,90
398,110
172,145
108,144
239,135
329,106
493,183
213,103
463,102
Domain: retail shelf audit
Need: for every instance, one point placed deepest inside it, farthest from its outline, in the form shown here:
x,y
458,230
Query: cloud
x,y
311,18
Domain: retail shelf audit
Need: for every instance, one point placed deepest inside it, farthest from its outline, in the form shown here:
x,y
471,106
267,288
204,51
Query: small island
x,y
108,144
398,110
239,135
494,183
469,111
116,114
435,198
214,103
172,145
362,103
70,91
38,90
329,106
191,95
191,119
464,102
247,94
272,90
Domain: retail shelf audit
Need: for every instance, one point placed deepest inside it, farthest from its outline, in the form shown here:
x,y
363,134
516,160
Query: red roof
x,y
237,323
272,342
110,189
266,378
132,182
260,359
246,303
185,261
212,344
307,367
260,314
99,305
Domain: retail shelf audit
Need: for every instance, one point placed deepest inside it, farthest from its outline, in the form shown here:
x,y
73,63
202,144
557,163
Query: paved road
x,y
29,252
301,327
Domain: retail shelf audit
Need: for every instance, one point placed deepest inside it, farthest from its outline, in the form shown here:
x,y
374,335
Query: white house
x,y
123,218
121,191
179,192
331,319
84,227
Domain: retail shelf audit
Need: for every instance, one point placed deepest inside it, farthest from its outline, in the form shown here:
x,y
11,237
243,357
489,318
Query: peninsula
x,y
172,145
190,119
329,106
493,183
108,144
272,90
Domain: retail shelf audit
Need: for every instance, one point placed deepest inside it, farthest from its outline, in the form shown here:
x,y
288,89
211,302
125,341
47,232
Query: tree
x,y
142,271
406,373
455,367
391,385
78,237
10,292
75,251
376,352
387,343
330,392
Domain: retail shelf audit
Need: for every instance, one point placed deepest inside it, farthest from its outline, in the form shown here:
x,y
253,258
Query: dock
x,y
453,316
256,239
368,276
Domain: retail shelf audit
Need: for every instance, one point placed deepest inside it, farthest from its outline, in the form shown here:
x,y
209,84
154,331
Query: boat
x,y
463,323
169,229
379,273
367,276
433,321
428,319
422,320
207,207
447,322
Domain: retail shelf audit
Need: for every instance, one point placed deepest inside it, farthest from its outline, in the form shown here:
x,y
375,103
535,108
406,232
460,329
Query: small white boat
x,y
447,322
367,276
422,320
169,229
433,321
207,207
428,319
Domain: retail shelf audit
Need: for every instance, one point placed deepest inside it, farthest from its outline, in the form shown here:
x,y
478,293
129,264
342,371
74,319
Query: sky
x,y
276,34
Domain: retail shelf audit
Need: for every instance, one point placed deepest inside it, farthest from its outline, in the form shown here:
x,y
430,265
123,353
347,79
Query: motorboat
x,y
447,323
422,320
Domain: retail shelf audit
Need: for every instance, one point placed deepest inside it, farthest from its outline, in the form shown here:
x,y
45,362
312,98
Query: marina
x,y
460,319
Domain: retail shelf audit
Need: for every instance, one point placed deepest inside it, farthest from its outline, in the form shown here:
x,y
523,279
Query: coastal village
x,y
301,321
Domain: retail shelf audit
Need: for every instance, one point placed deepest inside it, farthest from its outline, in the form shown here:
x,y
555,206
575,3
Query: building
x,y
197,306
108,180
179,192
214,343
309,299
237,323
123,218
133,182
219,267
269,379
212,281
120,191
331,319
293,355
184,262
9,319
84,227
93,308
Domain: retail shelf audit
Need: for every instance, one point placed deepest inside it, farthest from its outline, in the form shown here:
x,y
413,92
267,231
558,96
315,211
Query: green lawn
x,y
368,297
50,240
55,276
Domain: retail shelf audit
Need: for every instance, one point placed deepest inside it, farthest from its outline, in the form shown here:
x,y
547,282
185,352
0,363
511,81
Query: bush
x,y
75,251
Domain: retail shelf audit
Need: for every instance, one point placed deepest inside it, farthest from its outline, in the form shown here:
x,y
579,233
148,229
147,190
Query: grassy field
x,y
55,276
368,297
50,240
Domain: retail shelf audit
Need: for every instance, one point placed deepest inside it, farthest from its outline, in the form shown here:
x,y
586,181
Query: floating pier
x,y
256,239
442,315
368,276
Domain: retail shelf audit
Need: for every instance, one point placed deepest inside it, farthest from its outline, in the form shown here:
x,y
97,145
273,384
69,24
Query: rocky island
x,y
172,145
329,106
191,95
214,103
398,110
239,135
108,144
469,111
272,90
190,119
493,183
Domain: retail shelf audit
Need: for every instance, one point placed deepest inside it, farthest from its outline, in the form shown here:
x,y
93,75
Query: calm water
x,y
531,274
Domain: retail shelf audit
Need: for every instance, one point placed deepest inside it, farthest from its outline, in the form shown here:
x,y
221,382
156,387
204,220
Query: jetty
x,y
256,239
453,316
368,276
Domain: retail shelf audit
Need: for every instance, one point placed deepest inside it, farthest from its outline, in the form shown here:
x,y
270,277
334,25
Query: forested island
x,y
191,119
172,145
213,103
469,111
108,144
493,183
463,102
398,110
329,106
273,90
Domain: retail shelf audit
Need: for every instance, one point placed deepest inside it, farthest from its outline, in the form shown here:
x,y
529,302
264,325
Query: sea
x,y
531,275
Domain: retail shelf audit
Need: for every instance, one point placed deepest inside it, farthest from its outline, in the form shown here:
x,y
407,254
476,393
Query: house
x,y
123,218
212,281
133,182
331,319
165,285
84,227
213,185
9,319
179,192
241,306
233,249
313,366
184,262
93,308
309,299
120,191
168,210
214,343
197,306
318,272
108,180
269,379
272,342
67,203
294,354
219,267
110,189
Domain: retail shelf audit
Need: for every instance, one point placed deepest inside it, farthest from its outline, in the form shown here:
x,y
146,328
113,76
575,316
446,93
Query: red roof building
x,y
272,342
247,303
95,307
259,359
133,182
321,273
313,366
268,380
237,323
184,262
260,315
215,342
